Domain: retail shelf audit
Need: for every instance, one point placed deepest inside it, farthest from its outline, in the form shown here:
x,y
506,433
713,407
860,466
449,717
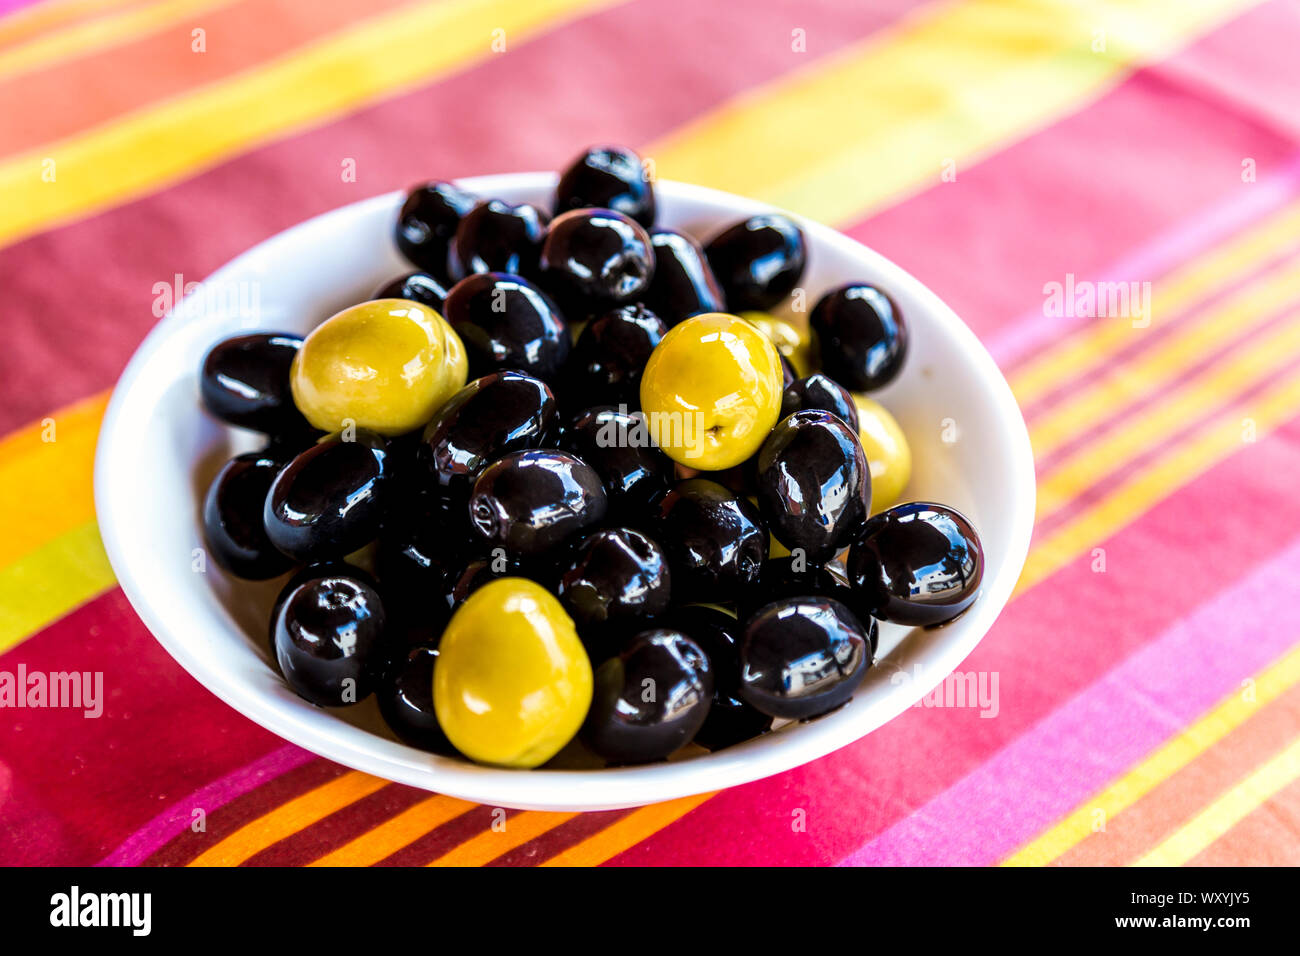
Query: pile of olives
x,y
571,493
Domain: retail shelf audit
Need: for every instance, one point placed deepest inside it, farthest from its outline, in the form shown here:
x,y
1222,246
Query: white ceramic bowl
x,y
158,451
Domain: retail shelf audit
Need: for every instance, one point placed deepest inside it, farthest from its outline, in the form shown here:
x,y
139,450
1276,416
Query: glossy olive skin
x,y
608,177
531,501
508,323
758,261
418,287
312,572
635,473
607,360
731,720
414,559
232,518
492,415
427,223
496,236
244,381
459,585
593,260
802,657
683,283
328,638
330,500
618,575
862,334
716,542
820,391
667,666
405,696
788,576
814,485
918,564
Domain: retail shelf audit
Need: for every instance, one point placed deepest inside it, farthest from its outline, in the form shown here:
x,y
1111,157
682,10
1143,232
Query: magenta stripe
x,y
161,829
1103,730
13,6
1034,330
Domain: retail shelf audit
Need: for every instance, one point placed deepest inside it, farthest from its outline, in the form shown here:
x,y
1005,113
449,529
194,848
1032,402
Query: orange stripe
x,y
1269,836
626,833
490,844
288,818
48,104
1165,808
46,486
391,835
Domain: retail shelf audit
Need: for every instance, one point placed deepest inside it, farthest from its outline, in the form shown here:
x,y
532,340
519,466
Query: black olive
x,y
244,381
413,563
593,260
715,541
330,500
531,501
617,444
758,261
610,177
730,719
496,236
405,695
862,335
649,700
793,576
321,569
478,572
232,518
427,223
803,656
814,484
683,283
820,391
418,287
617,576
917,564
508,323
606,363
328,636
492,415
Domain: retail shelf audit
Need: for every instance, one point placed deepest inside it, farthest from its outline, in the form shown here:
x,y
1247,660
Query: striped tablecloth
x,y
1004,151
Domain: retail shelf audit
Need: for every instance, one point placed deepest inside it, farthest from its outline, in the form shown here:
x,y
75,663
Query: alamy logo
x,y
79,690
74,908
1091,300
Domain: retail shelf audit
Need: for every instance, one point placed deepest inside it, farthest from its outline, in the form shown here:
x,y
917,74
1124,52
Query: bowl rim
x,y
608,788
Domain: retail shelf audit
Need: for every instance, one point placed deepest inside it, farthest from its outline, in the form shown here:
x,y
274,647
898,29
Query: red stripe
x,y
187,845
1048,645
444,838
523,117
556,841
80,786
342,826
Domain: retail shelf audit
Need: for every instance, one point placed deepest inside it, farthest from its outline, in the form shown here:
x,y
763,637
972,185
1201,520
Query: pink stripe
x,y
1035,330
13,6
161,829
1103,730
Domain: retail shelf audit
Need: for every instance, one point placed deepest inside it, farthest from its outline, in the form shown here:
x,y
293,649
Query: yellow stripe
x,y
1091,346
1227,811
288,818
626,833
490,844
31,21
1150,424
1168,759
82,38
46,584
45,477
956,82
167,141
395,833
1204,448
1226,325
